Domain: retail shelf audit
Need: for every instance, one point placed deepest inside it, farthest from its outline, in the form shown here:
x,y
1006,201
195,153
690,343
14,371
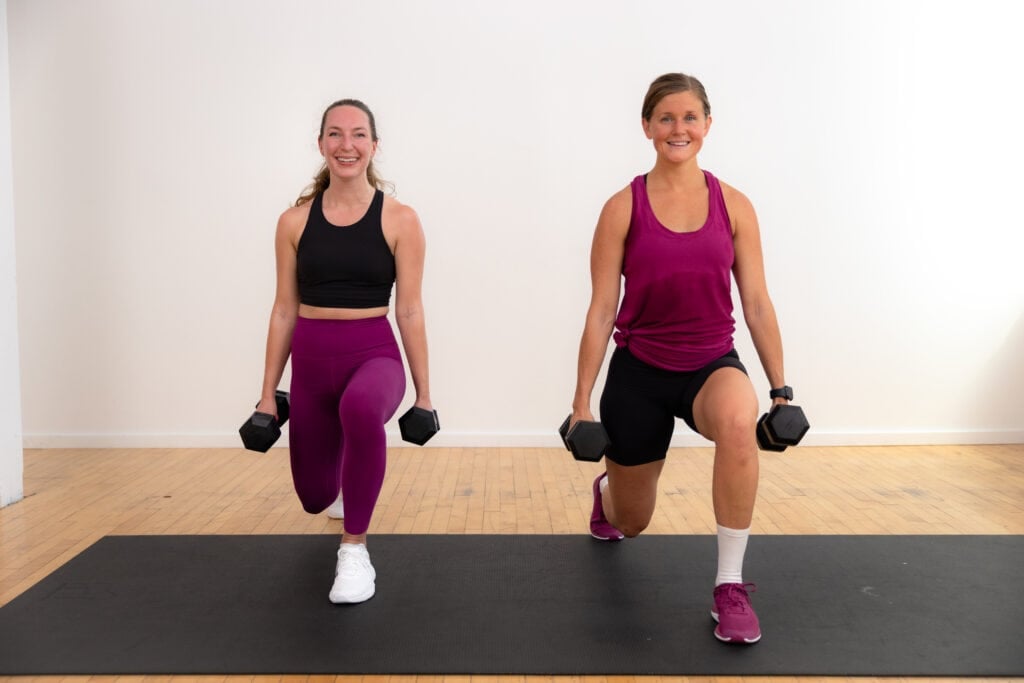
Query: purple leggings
x,y
347,381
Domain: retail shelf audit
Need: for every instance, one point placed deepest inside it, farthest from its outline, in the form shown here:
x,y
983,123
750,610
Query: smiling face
x,y
347,141
677,126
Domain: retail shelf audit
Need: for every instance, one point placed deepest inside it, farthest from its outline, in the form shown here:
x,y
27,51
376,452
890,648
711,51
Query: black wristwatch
x,y
785,392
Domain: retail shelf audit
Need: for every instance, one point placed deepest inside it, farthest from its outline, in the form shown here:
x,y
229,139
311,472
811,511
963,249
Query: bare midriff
x,y
325,313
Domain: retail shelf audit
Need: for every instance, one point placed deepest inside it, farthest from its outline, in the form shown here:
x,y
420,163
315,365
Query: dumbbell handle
x,y
282,401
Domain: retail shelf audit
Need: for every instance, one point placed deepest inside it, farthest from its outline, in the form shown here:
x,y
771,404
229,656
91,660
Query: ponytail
x,y
320,182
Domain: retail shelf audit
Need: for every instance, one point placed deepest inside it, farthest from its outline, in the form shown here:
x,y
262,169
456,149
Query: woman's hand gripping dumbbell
x,y
262,430
782,426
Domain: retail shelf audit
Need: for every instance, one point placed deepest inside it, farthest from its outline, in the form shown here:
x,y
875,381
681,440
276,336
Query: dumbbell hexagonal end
x,y
259,432
764,439
588,441
418,425
787,424
563,430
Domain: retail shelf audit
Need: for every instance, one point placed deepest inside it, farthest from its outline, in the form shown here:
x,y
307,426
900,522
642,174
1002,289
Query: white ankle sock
x,y
603,486
732,544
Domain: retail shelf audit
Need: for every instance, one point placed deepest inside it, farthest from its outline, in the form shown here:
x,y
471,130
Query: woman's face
x,y
677,126
347,142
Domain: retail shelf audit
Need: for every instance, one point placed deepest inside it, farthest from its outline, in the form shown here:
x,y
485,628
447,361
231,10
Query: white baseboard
x,y
520,439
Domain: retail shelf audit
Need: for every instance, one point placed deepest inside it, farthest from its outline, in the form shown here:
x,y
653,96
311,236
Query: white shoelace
x,y
353,560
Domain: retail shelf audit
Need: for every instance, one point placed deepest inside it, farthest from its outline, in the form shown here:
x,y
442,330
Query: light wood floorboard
x,y
74,497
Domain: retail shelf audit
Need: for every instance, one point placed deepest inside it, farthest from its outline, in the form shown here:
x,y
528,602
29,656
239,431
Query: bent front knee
x,y
739,434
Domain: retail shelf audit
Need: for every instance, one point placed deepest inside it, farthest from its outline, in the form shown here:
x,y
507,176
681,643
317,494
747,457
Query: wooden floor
x,y
75,497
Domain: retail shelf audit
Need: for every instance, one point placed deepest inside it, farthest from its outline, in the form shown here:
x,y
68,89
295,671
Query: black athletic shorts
x,y
640,402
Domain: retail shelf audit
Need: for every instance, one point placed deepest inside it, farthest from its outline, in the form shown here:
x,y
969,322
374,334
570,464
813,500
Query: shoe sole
x,y
332,515
740,641
737,641
352,600
606,538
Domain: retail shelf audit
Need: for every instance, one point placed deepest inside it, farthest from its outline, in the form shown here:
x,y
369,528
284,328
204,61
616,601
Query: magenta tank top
x,y
676,312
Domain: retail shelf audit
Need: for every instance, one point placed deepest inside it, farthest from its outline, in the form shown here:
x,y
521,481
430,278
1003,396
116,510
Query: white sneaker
x,y
337,509
354,576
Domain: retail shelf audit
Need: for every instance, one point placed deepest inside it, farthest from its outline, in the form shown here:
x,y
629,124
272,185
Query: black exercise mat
x,y
829,606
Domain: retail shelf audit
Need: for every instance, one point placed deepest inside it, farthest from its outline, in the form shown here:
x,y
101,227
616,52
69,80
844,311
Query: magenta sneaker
x,y
599,526
737,622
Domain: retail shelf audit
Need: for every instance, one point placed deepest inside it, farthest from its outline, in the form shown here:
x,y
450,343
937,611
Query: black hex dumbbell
x,y
586,440
418,425
261,430
782,426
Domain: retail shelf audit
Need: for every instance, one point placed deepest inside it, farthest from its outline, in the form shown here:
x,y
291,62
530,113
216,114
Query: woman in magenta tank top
x,y
674,238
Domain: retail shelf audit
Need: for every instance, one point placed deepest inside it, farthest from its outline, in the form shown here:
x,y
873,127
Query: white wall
x,y
11,460
156,143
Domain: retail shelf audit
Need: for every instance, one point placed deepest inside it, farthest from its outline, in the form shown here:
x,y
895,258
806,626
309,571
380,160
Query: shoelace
x,y
352,561
734,596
